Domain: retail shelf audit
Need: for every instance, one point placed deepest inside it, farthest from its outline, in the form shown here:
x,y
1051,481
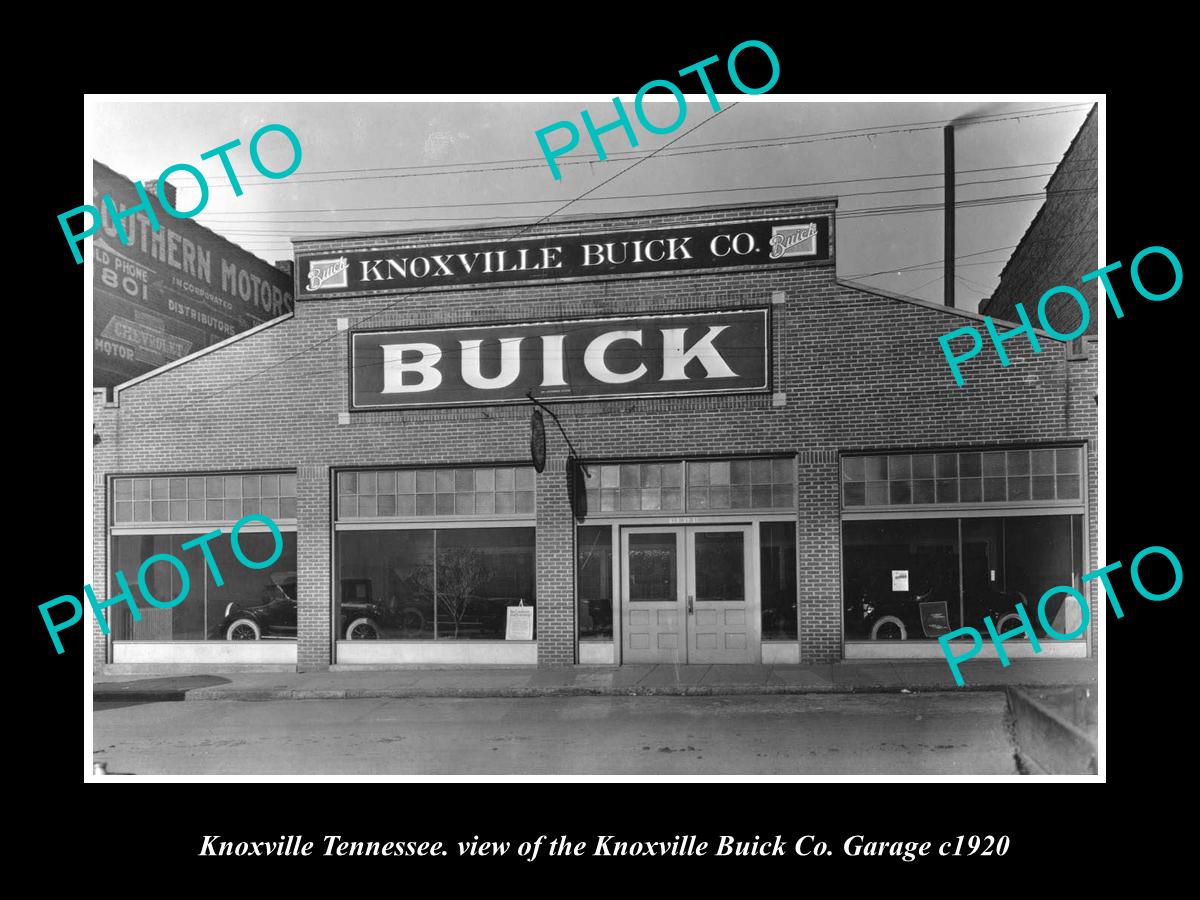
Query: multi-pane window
x,y
202,498
1048,475
633,487
417,493
242,603
740,484
730,484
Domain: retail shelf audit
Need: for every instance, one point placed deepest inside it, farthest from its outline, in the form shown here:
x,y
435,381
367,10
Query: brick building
x,y
1060,245
779,466
164,293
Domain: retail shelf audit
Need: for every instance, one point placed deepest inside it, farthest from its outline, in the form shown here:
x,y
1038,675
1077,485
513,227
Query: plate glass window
x,y
594,578
251,604
916,579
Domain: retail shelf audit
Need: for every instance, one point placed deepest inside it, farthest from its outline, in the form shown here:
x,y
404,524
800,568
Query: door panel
x,y
652,598
721,598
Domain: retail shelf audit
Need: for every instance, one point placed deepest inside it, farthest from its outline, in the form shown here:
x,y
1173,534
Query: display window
x,y
398,580
918,578
159,514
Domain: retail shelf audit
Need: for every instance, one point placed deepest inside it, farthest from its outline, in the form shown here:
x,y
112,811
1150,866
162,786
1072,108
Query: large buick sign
x,y
679,248
575,359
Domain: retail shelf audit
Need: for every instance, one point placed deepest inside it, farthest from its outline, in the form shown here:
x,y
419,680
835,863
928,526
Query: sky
x,y
389,166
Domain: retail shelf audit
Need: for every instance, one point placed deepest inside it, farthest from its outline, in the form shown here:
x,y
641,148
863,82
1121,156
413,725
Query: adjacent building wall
x,y
1060,245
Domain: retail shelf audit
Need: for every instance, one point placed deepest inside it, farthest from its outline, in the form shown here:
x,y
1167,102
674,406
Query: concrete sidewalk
x,y
494,681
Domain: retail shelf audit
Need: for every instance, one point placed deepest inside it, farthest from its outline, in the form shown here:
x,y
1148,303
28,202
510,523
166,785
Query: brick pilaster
x,y
819,586
313,565
99,642
555,550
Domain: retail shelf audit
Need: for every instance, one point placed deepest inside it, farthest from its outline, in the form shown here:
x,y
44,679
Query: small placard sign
x,y
899,579
519,626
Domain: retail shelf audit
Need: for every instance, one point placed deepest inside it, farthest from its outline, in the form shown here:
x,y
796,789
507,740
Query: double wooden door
x,y
688,595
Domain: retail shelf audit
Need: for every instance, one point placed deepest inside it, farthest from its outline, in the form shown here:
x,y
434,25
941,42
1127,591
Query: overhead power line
x,y
402,297
939,261
508,221
931,187
869,131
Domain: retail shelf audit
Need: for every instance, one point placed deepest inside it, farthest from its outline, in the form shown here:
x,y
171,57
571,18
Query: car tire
x,y
362,630
243,630
888,620
1002,625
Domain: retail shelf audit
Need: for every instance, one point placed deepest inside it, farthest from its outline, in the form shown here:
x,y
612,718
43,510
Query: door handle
x,y
690,610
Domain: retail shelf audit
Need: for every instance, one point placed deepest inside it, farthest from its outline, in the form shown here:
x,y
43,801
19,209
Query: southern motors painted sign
x,y
678,248
575,359
169,292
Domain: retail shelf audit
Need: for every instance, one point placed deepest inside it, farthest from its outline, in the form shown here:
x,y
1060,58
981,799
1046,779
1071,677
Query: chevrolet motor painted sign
x,y
723,351
678,248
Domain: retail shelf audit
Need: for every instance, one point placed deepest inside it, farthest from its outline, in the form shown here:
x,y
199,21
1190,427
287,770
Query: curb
x,y
1047,742
727,690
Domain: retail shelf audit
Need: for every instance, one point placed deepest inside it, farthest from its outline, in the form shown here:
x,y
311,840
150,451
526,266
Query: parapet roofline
x,y
940,307
302,243
166,367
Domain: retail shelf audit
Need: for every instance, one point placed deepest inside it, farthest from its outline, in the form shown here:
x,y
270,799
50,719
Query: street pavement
x,y
358,683
934,733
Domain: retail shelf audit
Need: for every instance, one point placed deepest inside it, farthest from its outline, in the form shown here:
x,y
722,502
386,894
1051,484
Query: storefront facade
x,y
776,466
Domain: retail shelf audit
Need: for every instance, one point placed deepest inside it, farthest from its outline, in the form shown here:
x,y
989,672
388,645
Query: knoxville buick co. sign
x,y
639,252
714,352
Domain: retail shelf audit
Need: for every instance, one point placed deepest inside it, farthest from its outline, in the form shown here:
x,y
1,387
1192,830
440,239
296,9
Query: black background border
x,y
1058,829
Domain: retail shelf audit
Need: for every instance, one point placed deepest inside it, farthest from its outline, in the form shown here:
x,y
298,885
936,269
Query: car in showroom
x,y
270,615
273,614
882,613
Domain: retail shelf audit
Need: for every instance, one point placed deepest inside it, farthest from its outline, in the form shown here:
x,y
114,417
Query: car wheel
x,y
889,628
1002,625
412,621
362,630
243,630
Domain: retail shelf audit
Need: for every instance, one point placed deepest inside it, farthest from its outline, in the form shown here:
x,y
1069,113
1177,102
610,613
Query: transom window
x,y
426,493
203,498
691,486
1042,475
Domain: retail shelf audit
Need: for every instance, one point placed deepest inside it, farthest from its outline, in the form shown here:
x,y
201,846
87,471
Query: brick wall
x,y
1060,245
555,554
101,455
859,370
1082,412
819,537
313,576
